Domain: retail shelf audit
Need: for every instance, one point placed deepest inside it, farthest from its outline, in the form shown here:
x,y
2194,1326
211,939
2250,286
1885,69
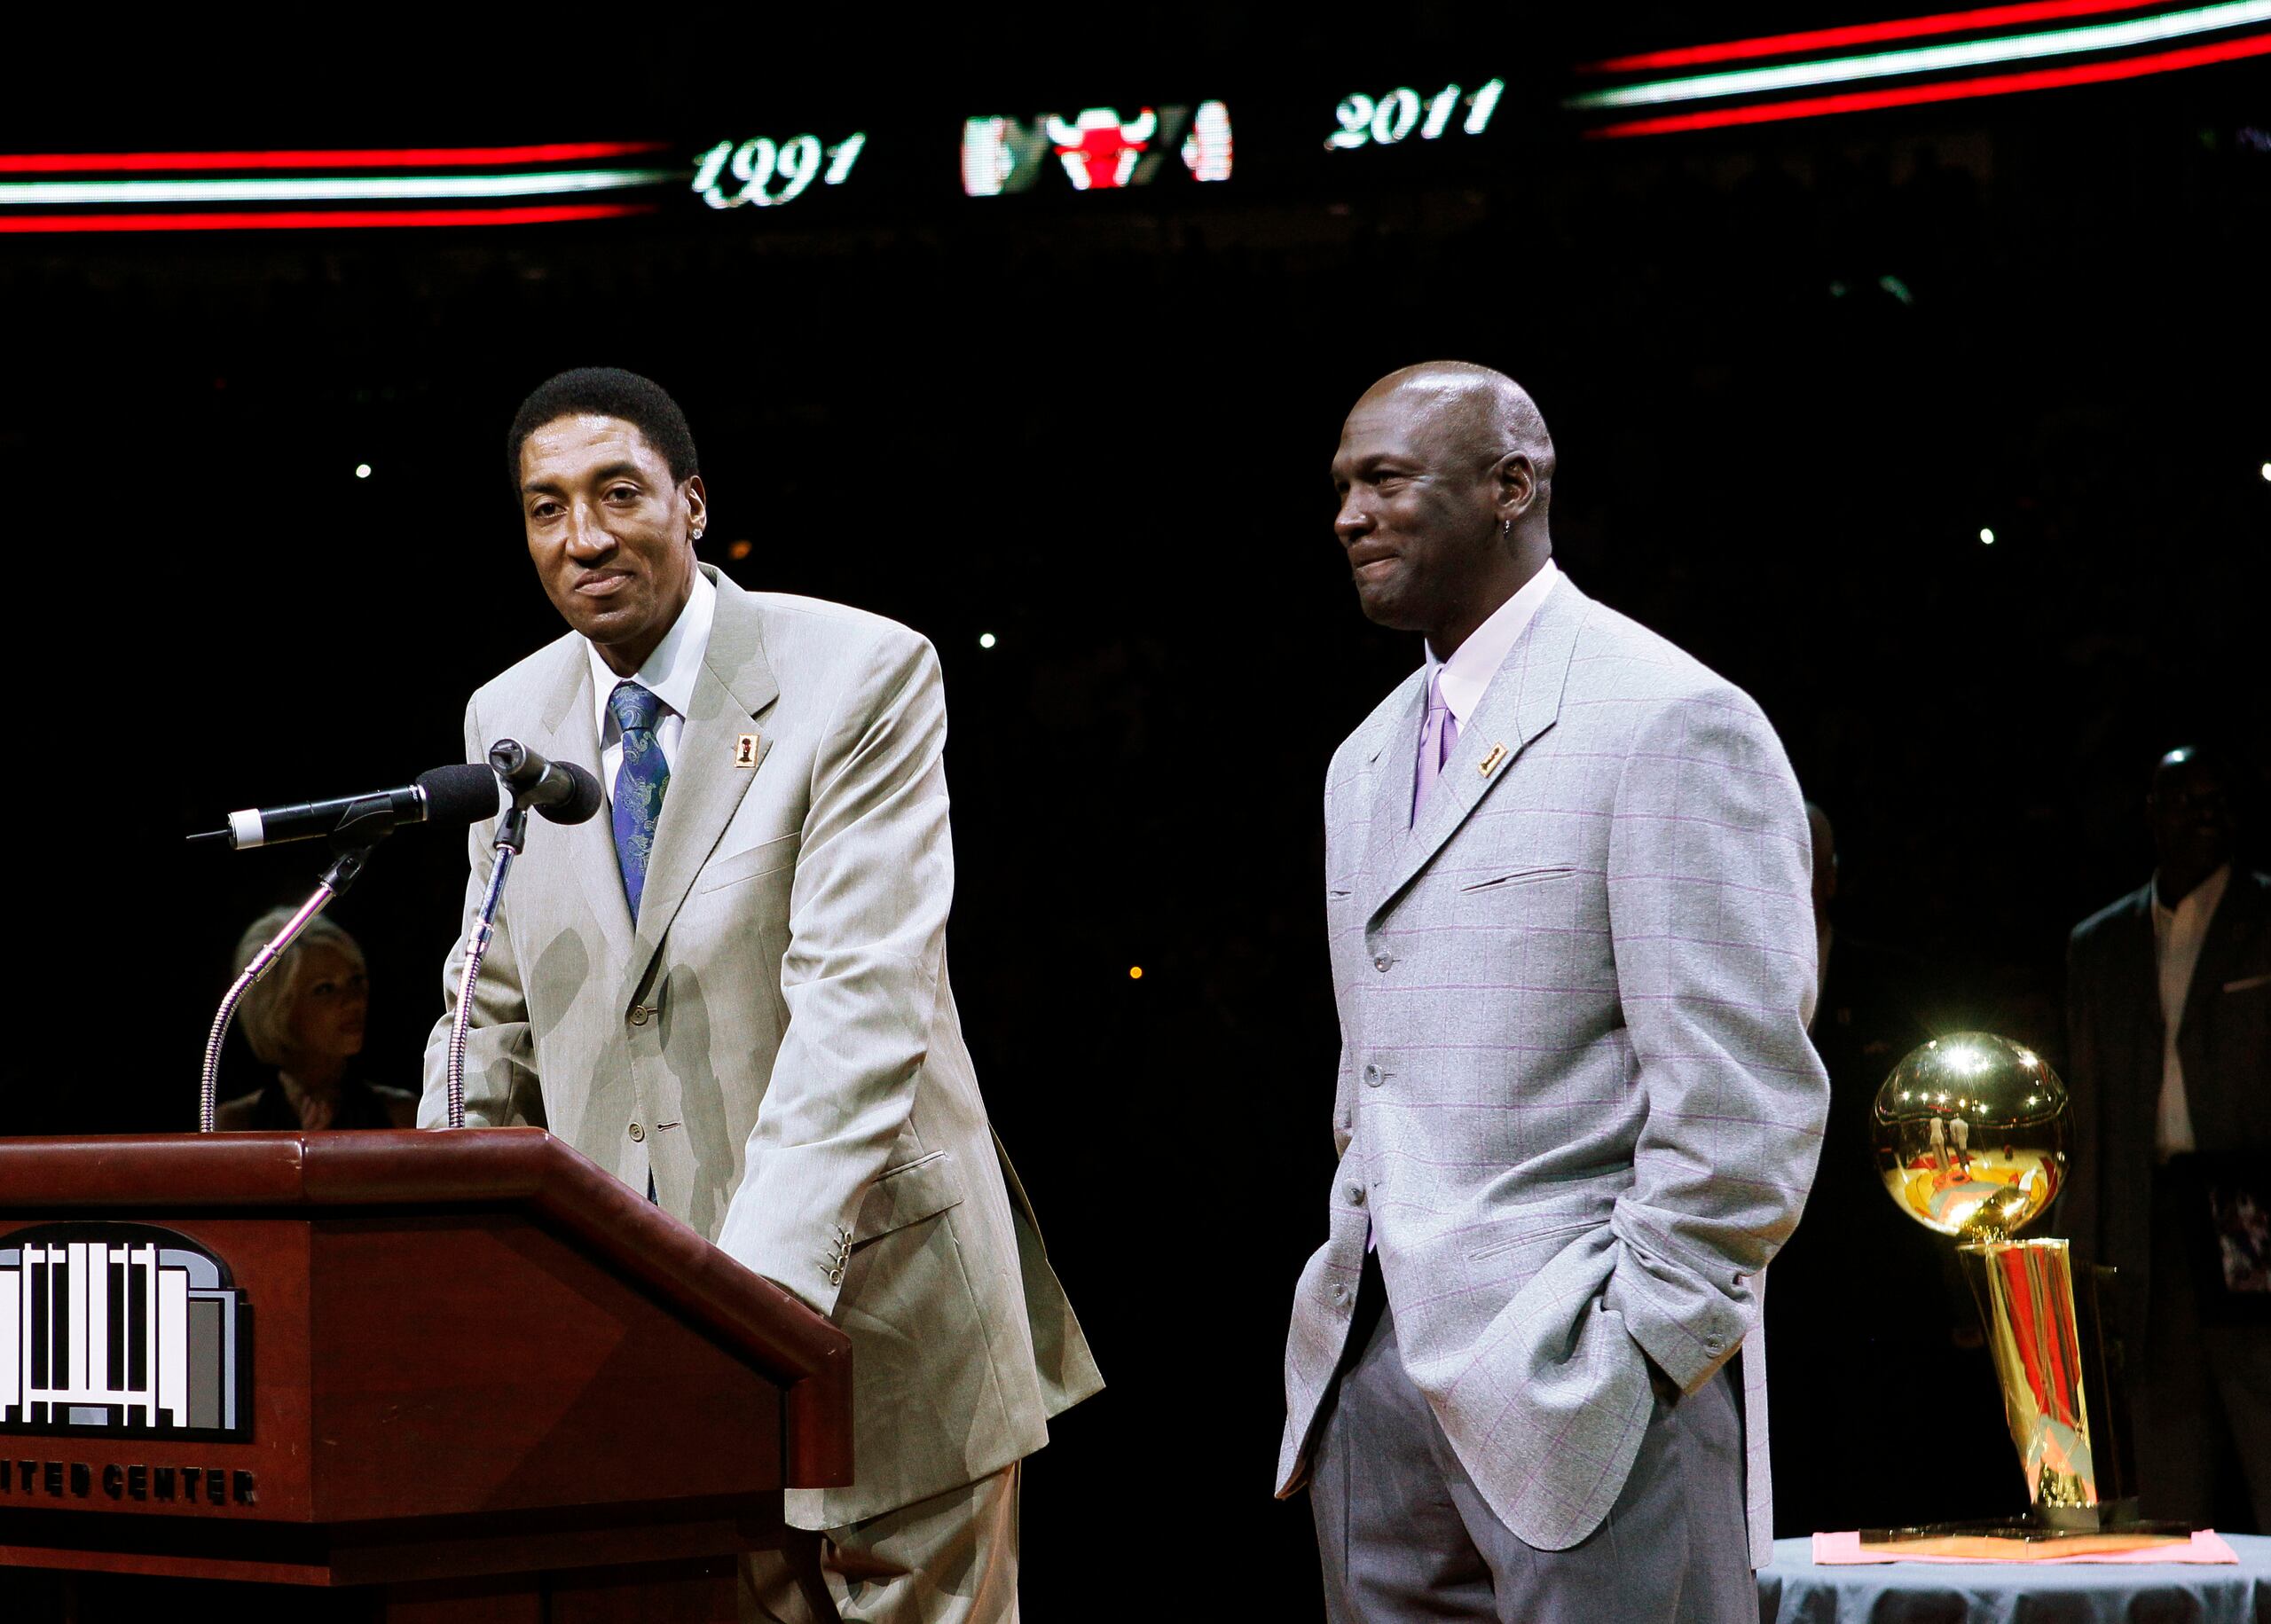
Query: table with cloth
x,y
1797,1590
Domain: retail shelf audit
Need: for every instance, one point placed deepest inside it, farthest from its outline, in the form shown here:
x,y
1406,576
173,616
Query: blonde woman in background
x,y
305,1018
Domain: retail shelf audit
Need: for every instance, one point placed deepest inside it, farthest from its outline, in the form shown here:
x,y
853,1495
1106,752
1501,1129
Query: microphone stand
x,y
511,835
351,843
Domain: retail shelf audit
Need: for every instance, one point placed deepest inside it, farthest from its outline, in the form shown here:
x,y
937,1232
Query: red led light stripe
x,y
376,158
1862,34
1947,90
309,219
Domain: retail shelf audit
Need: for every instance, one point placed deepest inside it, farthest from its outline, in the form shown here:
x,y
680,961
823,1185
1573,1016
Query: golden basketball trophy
x,y
1969,1132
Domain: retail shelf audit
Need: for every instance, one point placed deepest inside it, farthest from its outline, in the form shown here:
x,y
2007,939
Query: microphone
x,y
562,791
451,796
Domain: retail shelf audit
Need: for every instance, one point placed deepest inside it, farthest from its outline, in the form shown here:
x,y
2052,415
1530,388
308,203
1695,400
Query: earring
x,y
1505,530
694,536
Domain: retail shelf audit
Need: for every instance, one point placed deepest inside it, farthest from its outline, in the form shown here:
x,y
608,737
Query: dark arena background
x,y
1930,410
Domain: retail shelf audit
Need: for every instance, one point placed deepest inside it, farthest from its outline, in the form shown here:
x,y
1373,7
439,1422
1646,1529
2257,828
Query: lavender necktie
x,y
1438,737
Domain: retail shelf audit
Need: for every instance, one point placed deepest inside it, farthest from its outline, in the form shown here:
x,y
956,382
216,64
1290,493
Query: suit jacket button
x,y
1374,1075
638,1134
638,1014
1381,963
1356,1194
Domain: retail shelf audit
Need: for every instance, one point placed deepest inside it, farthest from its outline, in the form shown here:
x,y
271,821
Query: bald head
x,y
1475,413
1442,473
2195,824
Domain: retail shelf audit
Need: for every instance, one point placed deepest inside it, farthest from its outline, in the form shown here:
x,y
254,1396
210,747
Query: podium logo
x,y
120,1330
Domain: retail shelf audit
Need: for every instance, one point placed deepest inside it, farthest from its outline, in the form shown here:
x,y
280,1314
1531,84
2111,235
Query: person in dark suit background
x,y
2168,1008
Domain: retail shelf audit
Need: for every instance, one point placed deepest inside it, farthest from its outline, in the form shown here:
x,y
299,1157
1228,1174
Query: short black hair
x,y
607,391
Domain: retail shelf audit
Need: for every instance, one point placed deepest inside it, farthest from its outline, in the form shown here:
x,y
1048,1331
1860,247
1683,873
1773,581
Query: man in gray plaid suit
x,y
1568,885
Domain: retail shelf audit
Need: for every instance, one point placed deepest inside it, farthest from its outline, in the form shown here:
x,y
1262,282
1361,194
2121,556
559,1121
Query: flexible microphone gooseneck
x,y
451,797
564,793
512,782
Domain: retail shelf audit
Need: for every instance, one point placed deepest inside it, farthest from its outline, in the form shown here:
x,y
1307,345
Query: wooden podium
x,y
445,1376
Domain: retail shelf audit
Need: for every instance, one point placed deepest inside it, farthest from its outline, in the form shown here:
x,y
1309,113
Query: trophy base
x,y
2020,1540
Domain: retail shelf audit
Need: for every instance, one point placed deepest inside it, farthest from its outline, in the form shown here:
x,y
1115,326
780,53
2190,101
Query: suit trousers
x,y
950,1559
1404,1535
2201,1395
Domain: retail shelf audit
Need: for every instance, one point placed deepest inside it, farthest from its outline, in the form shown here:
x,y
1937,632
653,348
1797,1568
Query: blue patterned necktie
x,y
638,784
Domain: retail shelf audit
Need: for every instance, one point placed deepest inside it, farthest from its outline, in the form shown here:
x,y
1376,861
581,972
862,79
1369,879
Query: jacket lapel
x,y
2238,916
1393,752
2238,919
1523,699
706,788
2137,971
588,848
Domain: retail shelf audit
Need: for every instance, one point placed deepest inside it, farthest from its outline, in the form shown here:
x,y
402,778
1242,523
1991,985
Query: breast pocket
x,y
1516,879
751,863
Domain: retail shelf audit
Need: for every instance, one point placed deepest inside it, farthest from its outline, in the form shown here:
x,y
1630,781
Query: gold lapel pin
x,y
1489,764
745,749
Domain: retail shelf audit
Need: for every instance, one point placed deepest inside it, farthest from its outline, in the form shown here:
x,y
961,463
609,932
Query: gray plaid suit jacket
x,y
775,1035
1576,1101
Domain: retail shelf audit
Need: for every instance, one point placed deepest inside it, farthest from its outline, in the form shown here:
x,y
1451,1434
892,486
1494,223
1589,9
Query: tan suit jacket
x,y
775,1034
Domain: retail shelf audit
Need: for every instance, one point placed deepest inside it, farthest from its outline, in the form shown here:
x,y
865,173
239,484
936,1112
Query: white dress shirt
x,y
668,674
1473,662
2177,935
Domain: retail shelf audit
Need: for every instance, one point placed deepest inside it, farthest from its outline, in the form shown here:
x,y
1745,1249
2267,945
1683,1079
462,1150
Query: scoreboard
x,y
1498,113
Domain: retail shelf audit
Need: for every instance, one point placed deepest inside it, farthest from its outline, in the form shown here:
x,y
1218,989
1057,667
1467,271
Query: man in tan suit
x,y
733,992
